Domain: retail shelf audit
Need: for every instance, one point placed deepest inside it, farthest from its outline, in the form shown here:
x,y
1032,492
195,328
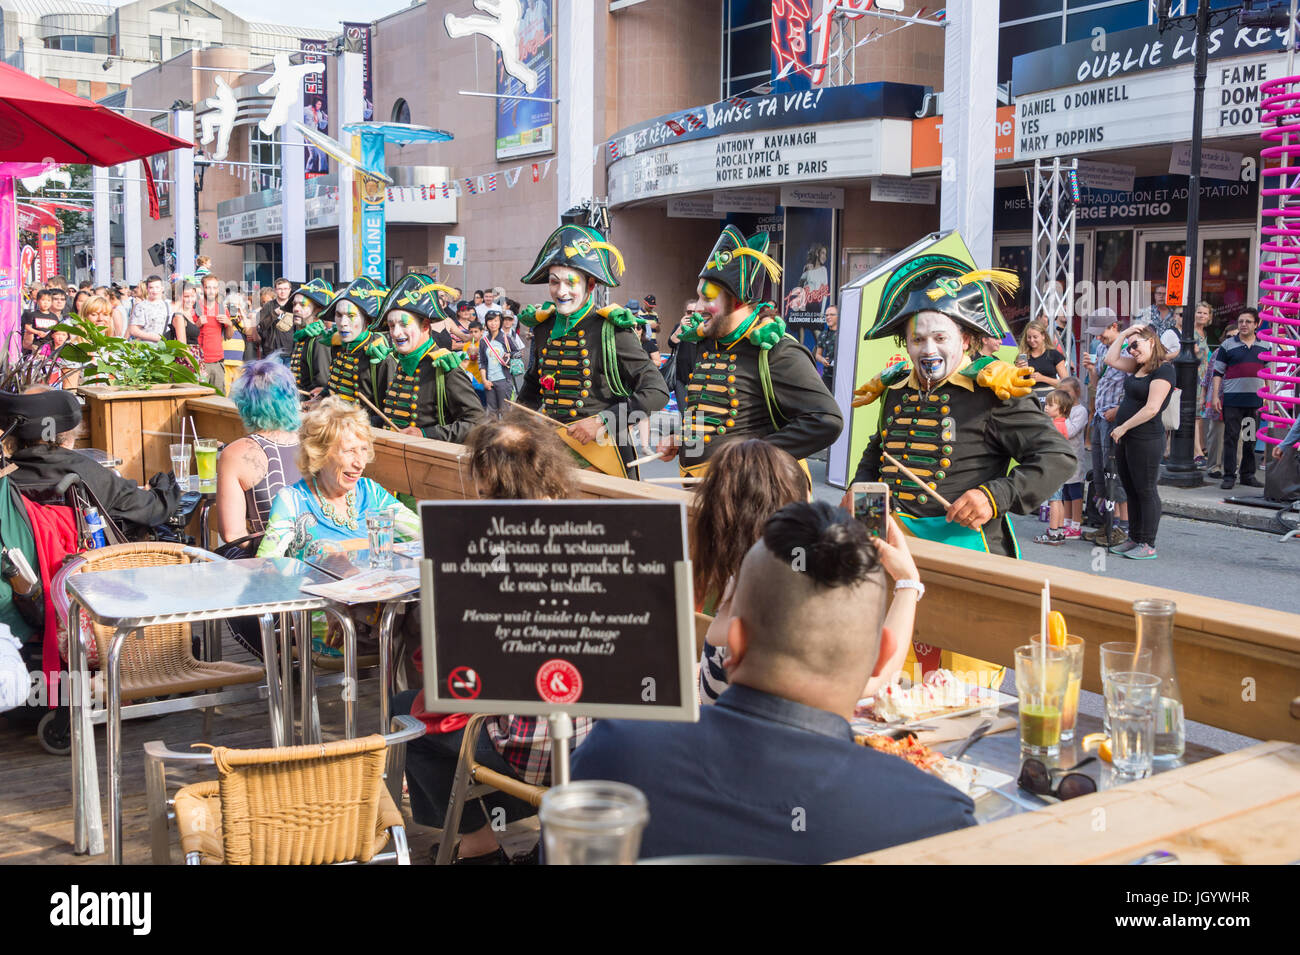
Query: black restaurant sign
x,y
534,607
1131,51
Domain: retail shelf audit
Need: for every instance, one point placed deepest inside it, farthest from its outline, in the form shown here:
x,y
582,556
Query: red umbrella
x,y
39,122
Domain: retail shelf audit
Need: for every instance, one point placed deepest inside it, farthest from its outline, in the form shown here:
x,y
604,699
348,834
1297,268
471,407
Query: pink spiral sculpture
x,y
1280,259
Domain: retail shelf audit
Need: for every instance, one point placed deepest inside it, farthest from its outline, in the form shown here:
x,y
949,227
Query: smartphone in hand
x,y
871,506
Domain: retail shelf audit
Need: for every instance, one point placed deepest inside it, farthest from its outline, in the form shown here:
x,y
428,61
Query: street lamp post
x,y
1181,470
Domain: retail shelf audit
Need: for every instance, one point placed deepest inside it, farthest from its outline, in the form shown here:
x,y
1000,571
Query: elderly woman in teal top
x,y
329,505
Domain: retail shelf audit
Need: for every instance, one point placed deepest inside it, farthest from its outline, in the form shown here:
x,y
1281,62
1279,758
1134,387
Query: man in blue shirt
x,y
771,770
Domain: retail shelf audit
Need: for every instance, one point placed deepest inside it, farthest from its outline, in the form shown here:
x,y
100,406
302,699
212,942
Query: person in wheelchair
x,y
40,427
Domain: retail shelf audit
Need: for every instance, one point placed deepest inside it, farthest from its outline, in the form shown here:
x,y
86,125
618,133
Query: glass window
x,y
83,87
179,45
747,44
1020,9
263,151
1125,16
1113,262
262,263
750,55
155,48
1025,38
741,12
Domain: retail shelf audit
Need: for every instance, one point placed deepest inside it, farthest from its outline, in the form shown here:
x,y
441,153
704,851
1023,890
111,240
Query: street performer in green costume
x,y
590,371
310,360
430,395
956,423
751,379
363,359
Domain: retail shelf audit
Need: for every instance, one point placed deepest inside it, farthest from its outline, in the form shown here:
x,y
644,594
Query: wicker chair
x,y
161,661
473,780
322,804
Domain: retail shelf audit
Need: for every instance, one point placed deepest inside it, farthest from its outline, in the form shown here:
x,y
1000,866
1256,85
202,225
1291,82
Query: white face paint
x,y
348,321
934,343
569,289
407,331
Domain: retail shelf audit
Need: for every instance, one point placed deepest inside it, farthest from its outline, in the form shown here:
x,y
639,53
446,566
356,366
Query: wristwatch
x,y
910,585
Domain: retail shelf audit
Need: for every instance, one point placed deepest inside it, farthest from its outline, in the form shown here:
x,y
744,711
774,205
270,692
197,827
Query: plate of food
x,y
973,780
941,694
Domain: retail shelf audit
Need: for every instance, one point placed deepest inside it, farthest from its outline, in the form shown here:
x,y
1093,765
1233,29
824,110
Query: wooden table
x,y
1239,808
120,419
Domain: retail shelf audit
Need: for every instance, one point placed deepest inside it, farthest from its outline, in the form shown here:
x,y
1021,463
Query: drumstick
x,y
914,479
538,414
654,456
389,421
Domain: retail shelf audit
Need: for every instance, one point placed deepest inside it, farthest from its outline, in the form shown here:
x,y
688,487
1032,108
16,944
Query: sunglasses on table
x,y
1036,777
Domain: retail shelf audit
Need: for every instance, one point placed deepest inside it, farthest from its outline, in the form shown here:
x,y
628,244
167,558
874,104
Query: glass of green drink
x,y
205,464
1042,678
1070,711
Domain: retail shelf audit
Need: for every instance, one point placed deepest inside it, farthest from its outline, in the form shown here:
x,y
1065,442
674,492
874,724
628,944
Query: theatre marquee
x,y
846,150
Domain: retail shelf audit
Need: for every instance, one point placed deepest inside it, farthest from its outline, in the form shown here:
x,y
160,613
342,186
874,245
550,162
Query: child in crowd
x,y
1058,405
1076,431
470,367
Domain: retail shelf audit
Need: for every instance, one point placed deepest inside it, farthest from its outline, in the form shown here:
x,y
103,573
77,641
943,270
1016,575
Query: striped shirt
x,y
1239,365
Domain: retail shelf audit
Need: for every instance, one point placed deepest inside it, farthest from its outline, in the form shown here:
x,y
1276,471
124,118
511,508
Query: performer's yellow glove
x,y
865,394
1006,381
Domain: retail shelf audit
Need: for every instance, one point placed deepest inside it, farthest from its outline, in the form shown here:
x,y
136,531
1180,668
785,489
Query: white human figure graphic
x,y
501,26
53,174
287,82
222,121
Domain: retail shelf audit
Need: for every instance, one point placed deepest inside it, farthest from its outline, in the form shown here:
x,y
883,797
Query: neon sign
x,y
790,36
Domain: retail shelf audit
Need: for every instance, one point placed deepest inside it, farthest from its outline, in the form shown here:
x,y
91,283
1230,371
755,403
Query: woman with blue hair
x,y
253,469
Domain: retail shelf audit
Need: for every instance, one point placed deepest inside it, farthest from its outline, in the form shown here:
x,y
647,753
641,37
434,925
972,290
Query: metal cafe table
x,y
131,599
339,565
1001,752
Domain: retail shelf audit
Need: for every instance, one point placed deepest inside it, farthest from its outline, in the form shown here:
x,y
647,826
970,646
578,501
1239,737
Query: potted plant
x,y
132,365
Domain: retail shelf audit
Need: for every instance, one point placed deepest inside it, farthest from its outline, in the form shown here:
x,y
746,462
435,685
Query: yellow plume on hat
x,y
595,244
1004,280
432,287
765,260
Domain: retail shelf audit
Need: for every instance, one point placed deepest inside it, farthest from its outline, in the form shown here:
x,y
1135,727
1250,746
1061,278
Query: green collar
x,y
564,326
411,361
741,330
360,342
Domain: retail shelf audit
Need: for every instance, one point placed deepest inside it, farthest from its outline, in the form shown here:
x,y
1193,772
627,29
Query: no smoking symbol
x,y
464,684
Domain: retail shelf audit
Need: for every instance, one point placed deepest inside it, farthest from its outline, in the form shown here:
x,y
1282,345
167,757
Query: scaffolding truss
x,y
1051,291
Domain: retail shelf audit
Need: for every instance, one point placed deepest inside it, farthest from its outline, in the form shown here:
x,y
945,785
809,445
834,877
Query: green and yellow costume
x,y
591,362
310,359
428,388
757,382
365,365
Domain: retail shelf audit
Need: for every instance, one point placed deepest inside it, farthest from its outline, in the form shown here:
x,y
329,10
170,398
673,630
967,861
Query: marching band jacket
x,y
596,365
435,394
354,370
960,435
746,390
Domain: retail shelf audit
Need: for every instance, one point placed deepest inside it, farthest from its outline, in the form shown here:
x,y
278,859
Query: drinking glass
x,y
1131,702
181,464
379,526
1121,655
205,463
1042,676
593,822
1070,707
